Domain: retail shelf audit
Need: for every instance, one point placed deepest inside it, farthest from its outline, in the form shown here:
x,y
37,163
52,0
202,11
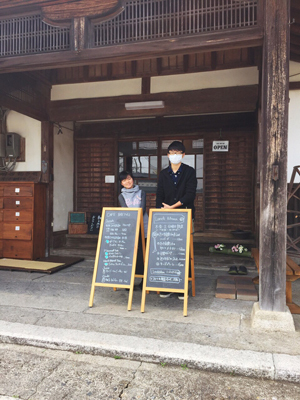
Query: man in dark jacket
x,y
177,183
176,186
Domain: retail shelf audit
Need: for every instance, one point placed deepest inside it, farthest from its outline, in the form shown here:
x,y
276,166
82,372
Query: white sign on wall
x,y
109,179
220,145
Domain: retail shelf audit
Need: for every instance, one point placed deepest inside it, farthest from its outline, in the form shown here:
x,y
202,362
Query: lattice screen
x,y
144,20
29,34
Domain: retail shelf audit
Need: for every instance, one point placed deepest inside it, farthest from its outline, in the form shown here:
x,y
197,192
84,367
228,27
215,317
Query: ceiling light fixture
x,y
145,105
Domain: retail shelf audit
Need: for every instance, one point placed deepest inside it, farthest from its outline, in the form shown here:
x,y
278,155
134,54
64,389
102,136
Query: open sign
x,y
220,145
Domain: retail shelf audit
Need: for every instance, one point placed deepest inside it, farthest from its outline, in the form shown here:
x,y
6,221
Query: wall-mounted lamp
x,y
145,105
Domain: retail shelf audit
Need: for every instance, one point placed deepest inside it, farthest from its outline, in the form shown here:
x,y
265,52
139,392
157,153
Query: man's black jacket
x,y
184,191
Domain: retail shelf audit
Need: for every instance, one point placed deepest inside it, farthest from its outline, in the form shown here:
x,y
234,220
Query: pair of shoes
x,y
241,270
164,295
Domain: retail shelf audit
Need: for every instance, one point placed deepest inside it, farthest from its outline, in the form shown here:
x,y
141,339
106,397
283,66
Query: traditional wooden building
x,y
120,79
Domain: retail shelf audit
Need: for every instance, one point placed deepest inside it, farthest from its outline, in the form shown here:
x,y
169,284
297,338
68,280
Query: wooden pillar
x,y
47,177
273,178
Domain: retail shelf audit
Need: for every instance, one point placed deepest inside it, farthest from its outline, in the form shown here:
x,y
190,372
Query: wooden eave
x,y
250,37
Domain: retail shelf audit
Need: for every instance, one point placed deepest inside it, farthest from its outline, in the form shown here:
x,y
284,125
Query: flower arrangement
x,y
220,246
237,249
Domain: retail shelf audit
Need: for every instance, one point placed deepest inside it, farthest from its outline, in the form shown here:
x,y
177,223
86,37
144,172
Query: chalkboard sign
x,y
94,224
168,252
117,249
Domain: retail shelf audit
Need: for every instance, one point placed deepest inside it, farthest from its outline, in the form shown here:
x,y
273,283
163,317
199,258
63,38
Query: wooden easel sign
x,y
117,248
169,249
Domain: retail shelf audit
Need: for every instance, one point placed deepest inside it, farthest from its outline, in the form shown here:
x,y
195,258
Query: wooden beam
x,y
146,85
273,178
250,37
206,101
241,122
295,85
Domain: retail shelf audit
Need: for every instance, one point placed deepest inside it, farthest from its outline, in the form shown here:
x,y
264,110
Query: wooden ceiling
x,y
295,30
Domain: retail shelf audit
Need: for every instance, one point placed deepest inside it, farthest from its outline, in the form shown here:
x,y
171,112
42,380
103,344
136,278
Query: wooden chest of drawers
x,y
22,220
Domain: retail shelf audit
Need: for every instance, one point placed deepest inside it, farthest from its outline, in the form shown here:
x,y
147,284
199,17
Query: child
x,y
133,197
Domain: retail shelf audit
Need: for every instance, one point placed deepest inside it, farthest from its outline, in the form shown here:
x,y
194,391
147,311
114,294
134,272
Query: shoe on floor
x,y
181,296
242,270
164,295
233,271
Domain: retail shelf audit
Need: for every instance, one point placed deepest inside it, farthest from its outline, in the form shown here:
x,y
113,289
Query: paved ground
x,y
51,311
30,373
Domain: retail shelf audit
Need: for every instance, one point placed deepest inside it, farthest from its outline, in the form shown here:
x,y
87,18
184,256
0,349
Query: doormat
x,y
236,287
47,264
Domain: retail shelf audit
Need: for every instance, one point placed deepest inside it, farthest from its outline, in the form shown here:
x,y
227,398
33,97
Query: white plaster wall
x,y
63,176
30,129
205,80
171,83
294,132
96,89
294,71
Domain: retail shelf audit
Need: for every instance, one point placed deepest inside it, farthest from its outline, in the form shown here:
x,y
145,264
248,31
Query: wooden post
x,y
47,177
273,179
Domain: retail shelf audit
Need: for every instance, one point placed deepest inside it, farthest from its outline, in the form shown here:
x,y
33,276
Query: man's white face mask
x,y
175,158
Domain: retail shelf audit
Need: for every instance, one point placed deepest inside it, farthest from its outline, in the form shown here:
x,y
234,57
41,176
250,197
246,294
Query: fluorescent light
x,y
145,105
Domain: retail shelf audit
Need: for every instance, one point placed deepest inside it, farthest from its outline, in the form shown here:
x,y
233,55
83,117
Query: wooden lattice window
x,y
29,34
143,20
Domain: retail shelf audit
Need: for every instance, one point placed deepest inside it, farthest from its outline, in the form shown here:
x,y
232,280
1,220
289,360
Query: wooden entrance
x,y
225,193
